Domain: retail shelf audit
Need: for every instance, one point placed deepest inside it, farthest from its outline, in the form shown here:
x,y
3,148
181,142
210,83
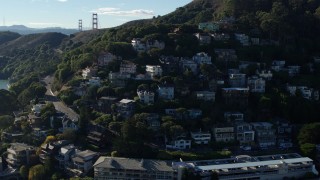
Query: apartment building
x,y
256,84
265,134
18,154
244,134
201,137
224,133
82,162
126,168
153,71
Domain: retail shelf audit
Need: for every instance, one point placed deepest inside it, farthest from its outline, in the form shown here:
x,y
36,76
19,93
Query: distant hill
x,y
21,29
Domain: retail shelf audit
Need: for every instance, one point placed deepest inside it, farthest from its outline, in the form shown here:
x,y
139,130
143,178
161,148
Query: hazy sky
x,y
66,13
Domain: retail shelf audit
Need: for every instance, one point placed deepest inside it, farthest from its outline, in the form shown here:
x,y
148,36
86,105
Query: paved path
x,y
59,105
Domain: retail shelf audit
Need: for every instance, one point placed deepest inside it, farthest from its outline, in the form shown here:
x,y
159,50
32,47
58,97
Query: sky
x,y
66,13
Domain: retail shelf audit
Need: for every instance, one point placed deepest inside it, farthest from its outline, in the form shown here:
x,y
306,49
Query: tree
x,y
37,172
24,172
6,121
309,150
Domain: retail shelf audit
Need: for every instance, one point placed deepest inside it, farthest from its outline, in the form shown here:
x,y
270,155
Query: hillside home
x,y
125,108
236,97
200,137
244,133
307,93
255,41
256,84
278,65
242,38
220,36
166,92
226,55
106,57
205,95
267,75
138,45
187,64
105,103
50,150
36,109
224,133
94,81
234,117
127,67
19,154
179,143
237,80
146,97
82,162
96,138
64,155
153,71
284,134
89,72
265,134
293,70
153,121
170,64
203,38
119,79
153,43
69,124
208,26
202,58
316,59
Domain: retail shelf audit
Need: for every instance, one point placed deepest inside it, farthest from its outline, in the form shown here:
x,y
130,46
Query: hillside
x,y
33,40
7,36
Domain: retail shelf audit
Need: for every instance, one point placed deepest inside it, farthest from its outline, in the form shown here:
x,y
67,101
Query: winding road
x,y
59,105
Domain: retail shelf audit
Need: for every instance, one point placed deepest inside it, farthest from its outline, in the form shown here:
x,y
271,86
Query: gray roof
x,y
133,164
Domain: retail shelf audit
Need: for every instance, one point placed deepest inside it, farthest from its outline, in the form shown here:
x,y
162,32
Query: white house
x,y
201,137
89,72
147,97
256,84
179,143
138,45
153,71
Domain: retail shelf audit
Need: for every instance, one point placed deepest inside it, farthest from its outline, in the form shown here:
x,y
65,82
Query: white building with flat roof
x,y
275,167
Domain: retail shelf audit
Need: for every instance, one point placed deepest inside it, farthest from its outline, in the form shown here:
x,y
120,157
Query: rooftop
x,y
133,164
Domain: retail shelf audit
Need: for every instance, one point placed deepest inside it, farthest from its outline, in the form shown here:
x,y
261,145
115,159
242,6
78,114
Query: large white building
x,y
275,167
